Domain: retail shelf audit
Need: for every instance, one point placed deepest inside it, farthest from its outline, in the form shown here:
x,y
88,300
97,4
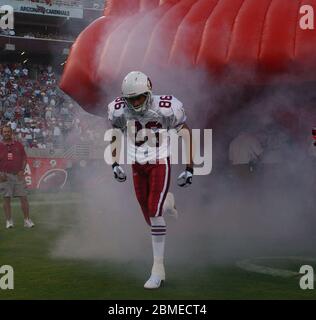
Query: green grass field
x,y
37,275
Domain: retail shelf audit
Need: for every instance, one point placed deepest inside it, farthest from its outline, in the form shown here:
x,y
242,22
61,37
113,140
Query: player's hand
x,y
185,178
119,173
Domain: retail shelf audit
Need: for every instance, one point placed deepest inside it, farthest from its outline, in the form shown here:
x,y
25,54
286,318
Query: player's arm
x,y
189,146
176,119
116,142
118,171
185,178
117,119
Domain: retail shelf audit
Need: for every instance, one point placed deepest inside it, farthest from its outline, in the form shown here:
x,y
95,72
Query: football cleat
x,y
28,223
9,224
169,206
157,278
154,282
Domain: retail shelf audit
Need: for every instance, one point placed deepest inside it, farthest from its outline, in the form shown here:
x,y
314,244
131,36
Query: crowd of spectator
x,y
40,114
96,4
50,35
7,32
38,35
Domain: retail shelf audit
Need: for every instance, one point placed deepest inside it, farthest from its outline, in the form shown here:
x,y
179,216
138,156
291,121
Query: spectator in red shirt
x,y
12,183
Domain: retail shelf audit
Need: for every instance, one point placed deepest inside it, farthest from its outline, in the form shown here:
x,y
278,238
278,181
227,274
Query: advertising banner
x,y
46,173
44,9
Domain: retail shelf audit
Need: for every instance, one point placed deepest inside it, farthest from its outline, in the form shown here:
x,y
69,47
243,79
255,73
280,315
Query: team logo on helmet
x,y
149,84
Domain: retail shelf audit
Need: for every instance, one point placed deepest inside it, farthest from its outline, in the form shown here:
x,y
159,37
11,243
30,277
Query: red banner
x,y
46,173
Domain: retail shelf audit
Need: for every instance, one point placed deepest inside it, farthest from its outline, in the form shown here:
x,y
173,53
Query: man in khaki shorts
x,y
12,182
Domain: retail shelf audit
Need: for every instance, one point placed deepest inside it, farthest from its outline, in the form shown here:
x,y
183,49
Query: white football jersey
x,y
164,113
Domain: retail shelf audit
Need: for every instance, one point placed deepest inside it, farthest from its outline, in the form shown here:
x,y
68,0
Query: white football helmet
x,y
135,85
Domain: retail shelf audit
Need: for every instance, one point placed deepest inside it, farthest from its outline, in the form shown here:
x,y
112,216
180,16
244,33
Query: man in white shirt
x,y
25,72
41,145
12,124
56,135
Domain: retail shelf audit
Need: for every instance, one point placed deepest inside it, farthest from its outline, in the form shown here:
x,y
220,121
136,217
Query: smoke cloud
x,y
221,217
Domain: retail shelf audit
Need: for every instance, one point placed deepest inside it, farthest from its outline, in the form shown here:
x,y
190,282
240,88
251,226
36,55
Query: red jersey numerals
x,y
149,125
119,103
165,101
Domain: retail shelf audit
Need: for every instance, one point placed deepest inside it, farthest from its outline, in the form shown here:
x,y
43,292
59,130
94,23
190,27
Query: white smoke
x,y
221,218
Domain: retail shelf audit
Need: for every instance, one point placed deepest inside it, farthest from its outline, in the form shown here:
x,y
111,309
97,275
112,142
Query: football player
x,y
151,168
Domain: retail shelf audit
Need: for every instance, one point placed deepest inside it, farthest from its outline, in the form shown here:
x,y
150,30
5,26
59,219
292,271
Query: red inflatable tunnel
x,y
245,41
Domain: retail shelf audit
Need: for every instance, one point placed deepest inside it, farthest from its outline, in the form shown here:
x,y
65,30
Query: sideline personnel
x,y
12,182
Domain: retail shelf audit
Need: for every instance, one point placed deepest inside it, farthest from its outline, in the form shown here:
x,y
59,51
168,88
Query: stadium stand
x,y
69,3
43,118
96,4
38,112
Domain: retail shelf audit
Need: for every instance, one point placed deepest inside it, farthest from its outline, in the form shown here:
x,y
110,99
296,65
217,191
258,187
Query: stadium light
x,y
23,53
25,61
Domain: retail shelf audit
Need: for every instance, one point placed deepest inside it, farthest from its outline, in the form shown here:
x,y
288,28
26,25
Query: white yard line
x,y
252,265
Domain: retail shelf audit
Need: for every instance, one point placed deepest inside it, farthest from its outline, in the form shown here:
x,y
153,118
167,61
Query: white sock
x,y
158,236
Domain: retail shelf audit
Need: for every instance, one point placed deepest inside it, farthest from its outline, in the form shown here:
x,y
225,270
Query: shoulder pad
x,y
171,110
166,104
116,113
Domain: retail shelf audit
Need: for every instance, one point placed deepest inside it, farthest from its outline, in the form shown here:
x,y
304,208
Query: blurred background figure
x,y
245,152
12,183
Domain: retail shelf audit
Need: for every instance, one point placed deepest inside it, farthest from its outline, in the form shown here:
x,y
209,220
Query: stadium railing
x,y
77,151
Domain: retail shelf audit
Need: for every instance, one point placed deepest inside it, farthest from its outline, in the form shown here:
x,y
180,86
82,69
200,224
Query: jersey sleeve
x,y
116,115
175,116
